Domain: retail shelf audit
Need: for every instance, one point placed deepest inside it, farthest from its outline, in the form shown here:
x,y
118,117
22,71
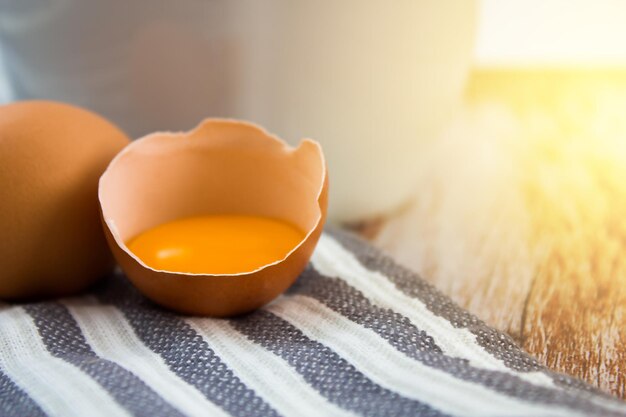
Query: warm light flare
x,y
529,185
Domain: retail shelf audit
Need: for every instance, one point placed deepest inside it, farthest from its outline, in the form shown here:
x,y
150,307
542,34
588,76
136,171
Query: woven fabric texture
x,y
356,335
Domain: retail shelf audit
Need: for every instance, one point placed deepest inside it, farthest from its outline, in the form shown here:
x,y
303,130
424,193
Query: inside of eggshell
x,y
218,168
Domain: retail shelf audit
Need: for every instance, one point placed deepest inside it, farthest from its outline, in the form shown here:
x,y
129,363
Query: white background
x,y
551,32
540,33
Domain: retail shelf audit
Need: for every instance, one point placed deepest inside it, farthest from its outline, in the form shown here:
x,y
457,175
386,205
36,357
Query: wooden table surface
x,y
520,215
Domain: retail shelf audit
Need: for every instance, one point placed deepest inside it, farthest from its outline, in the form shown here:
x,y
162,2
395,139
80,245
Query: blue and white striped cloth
x,y
356,335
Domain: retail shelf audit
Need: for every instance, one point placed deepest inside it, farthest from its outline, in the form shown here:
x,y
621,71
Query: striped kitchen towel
x,y
356,335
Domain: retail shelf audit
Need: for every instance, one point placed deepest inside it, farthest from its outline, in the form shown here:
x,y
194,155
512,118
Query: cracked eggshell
x,y
220,167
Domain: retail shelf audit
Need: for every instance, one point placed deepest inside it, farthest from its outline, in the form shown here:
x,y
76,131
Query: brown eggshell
x,y
220,167
51,157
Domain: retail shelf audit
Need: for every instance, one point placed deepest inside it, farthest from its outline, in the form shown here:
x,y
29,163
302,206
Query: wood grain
x,y
520,216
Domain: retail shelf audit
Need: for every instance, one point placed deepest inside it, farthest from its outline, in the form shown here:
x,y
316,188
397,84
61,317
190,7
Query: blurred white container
x,y
372,80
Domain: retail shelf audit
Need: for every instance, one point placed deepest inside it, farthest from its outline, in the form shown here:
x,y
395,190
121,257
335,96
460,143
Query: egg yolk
x,y
216,244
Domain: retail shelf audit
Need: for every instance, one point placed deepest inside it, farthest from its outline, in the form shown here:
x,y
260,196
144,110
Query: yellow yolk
x,y
216,244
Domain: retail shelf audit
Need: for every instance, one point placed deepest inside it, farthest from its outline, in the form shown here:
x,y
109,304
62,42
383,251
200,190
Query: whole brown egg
x,y
51,157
